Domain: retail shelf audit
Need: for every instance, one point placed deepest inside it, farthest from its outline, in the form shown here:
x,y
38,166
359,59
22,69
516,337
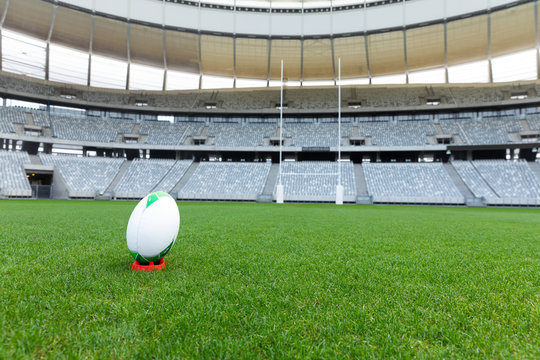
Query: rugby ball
x,y
153,227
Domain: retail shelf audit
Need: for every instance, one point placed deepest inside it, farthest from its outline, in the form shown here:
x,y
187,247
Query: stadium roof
x,y
91,46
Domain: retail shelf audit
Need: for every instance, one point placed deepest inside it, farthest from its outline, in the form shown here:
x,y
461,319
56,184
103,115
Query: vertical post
x,y
339,121
279,189
339,187
537,40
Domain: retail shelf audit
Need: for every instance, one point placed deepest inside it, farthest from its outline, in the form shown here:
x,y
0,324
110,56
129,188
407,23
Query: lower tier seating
x,y
411,183
13,180
84,176
316,180
226,181
146,175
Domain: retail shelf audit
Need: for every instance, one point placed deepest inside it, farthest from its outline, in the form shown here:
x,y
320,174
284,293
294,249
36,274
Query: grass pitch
x,y
270,281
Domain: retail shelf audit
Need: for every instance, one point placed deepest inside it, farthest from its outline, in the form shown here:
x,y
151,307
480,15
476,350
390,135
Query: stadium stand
x,y
474,180
8,117
316,181
13,181
176,172
323,135
141,177
146,175
84,176
226,181
236,135
255,101
89,129
534,123
409,133
303,131
481,132
512,181
168,134
41,118
411,183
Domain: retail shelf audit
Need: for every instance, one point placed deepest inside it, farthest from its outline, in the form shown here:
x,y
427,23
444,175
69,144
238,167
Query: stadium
x,y
260,117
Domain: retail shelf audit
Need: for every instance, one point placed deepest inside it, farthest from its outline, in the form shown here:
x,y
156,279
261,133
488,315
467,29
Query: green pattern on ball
x,y
167,249
155,196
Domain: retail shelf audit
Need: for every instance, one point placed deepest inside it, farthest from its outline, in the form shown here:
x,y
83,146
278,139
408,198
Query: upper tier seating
x,y
8,117
316,135
479,132
160,133
13,180
236,135
411,183
304,131
226,181
534,123
89,129
84,176
316,180
509,179
409,133
41,118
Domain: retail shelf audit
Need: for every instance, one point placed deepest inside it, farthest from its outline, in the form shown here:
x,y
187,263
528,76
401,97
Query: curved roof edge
x,y
306,25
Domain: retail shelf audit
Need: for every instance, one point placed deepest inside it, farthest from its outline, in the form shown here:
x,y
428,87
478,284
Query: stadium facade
x,y
439,100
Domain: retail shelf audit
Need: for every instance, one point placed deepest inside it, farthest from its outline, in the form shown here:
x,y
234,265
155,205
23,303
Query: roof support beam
x,y
165,68
367,57
537,40
333,60
128,55
366,43
331,40
90,50
405,55
4,14
164,46
490,67
234,62
48,48
269,60
445,52
405,44
200,60
199,43
234,45
301,61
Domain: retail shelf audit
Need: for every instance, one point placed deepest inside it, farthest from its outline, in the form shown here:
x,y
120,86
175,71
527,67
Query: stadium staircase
x,y
362,194
135,130
30,119
360,179
271,180
158,184
121,171
535,167
525,125
184,179
458,181
35,160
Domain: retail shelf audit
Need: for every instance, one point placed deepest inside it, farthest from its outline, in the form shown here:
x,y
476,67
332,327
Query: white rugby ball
x,y
153,227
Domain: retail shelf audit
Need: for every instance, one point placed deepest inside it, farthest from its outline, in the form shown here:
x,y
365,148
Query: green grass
x,y
271,281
